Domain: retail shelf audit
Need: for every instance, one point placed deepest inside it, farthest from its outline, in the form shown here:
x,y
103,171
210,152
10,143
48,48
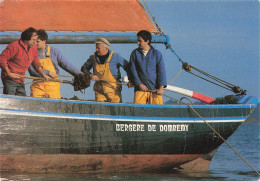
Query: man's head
x,y
144,39
29,37
102,46
42,39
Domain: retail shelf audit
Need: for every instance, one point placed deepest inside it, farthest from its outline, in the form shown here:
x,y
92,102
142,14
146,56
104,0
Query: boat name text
x,y
152,127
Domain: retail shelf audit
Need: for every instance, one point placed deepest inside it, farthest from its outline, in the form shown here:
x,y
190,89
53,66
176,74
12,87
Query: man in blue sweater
x,y
50,59
148,71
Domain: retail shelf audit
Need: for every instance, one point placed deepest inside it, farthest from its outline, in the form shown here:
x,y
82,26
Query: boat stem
x,y
215,132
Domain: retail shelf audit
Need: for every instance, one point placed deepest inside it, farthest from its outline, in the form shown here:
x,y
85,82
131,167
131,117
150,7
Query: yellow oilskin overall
x,y
106,90
142,97
44,88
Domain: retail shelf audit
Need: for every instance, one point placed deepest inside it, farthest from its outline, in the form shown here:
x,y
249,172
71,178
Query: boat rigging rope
x,y
214,132
156,24
188,68
220,82
229,86
175,77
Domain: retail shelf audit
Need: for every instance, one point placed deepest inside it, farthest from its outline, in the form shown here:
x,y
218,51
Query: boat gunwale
x,y
122,118
87,102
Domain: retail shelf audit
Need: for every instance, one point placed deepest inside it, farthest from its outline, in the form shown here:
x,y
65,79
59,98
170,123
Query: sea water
x,y
225,165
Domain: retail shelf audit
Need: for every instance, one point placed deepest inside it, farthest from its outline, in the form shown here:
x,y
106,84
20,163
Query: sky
x,y
219,37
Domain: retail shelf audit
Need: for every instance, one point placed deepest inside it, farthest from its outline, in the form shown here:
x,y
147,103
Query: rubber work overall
x,y
147,97
106,90
44,88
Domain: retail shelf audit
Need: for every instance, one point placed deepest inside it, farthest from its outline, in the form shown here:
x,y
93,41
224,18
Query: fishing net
x,y
81,81
230,99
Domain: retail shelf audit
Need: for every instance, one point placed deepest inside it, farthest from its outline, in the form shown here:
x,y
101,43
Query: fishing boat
x,y
39,135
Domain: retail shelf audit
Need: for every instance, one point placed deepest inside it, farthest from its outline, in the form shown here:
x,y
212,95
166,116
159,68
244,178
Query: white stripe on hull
x,y
114,118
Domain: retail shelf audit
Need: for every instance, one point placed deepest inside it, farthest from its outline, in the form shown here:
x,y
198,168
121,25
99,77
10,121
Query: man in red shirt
x,y
15,61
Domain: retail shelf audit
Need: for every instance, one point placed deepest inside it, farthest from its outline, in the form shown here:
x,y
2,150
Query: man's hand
x,y
14,75
53,75
160,90
94,77
129,84
11,74
46,77
143,87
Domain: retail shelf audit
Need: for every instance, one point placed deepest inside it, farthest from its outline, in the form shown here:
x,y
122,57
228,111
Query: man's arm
x,y
160,90
65,64
10,74
37,66
134,75
121,62
6,55
34,73
40,70
87,66
161,74
134,78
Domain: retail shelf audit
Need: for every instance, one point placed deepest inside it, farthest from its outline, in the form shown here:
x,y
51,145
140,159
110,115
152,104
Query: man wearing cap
x,y
106,72
50,59
147,70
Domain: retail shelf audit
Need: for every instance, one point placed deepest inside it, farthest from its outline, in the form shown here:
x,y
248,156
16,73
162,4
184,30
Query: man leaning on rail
x,y
106,72
15,61
50,59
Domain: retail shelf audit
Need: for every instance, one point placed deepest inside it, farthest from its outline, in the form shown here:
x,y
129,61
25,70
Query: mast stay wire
x,y
229,86
210,81
213,77
168,46
175,76
156,24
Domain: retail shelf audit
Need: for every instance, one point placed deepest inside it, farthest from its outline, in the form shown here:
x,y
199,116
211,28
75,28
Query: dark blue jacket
x,y
148,70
